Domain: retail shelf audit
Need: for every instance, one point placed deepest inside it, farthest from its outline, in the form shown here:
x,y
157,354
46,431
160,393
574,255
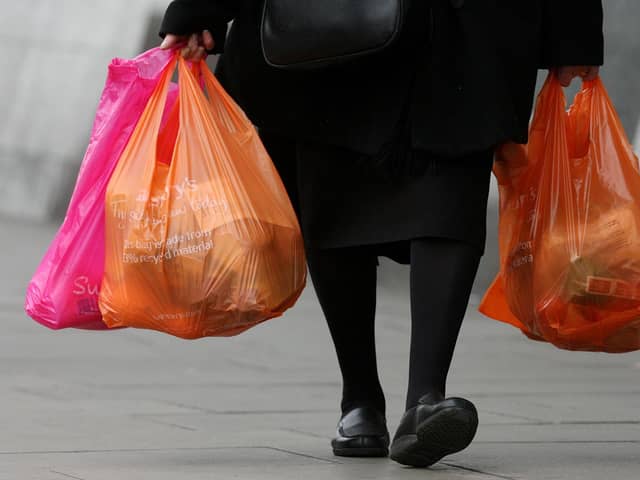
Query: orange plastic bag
x,y
202,239
570,227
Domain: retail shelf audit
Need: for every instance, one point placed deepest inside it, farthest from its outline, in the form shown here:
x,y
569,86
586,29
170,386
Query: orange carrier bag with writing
x,y
202,239
569,228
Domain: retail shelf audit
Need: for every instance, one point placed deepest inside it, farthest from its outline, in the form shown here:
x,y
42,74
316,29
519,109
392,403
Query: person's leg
x,y
442,275
345,283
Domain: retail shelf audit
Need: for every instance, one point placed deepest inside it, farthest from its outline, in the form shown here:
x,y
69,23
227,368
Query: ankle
x,y
378,404
429,395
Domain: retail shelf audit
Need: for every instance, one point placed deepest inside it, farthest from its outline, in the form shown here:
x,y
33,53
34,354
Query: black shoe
x,y
434,429
362,432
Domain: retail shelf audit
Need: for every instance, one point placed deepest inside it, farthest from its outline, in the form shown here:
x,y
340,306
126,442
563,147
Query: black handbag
x,y
308,34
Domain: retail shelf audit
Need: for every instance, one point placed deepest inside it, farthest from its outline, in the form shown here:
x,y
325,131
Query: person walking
x,y
390,154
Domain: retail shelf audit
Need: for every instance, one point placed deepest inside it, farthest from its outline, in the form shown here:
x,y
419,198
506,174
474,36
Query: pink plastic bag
x,y
63,292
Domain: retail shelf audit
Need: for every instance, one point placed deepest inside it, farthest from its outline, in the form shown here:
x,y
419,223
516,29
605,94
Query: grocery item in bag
x,y
569,227
207,244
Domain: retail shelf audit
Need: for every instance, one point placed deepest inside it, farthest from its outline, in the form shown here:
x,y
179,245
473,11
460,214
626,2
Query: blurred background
x,y
141,405
54,57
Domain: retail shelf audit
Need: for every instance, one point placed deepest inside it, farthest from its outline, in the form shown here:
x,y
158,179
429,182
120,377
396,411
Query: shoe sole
x,y
444,433
361,452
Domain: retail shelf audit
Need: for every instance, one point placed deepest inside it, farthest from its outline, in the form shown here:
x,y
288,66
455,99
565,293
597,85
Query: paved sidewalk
x,y
144,406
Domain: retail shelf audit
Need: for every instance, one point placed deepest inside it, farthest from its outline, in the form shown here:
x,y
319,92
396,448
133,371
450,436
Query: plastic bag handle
x,y
579,119
229,113
148,126
578,116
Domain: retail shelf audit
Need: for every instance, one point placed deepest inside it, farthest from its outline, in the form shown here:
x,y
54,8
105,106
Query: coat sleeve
x,y
572,33
184,17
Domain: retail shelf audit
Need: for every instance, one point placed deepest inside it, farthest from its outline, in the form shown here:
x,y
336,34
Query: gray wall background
x,y
53,63
53,60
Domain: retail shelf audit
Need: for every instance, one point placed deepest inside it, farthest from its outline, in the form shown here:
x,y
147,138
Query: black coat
x,y
465,69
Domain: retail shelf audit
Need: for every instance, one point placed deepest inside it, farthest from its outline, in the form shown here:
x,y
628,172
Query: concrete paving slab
x,y
142,405
550,460
227,463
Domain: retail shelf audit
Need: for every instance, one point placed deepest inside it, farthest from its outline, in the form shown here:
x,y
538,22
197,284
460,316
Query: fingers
x,y
190,49
207,38
591,74
197,46
171,41
200,54
201,51
567,74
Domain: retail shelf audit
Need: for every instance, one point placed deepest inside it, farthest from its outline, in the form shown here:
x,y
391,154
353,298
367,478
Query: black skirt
x,y
346,199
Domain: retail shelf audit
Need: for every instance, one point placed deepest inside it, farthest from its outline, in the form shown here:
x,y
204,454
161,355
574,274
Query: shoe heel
x,y
444,433
449,431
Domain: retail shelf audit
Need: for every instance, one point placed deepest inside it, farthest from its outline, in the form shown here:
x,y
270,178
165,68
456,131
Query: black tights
x,y
442,274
